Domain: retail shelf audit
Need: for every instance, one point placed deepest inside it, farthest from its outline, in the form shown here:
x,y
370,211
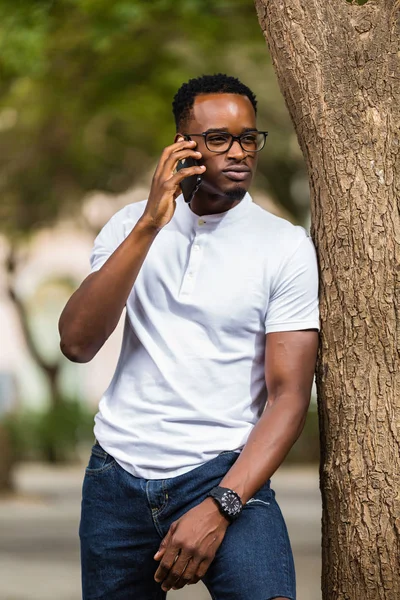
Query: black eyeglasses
x,y
221,141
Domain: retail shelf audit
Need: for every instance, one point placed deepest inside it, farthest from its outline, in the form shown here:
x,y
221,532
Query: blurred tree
x,y
86,91
339,69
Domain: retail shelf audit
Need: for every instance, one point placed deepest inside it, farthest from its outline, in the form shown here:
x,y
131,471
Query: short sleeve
x,y
105,243
113,234
293,304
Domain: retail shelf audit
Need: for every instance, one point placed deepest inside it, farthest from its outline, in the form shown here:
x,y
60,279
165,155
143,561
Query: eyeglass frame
x,y
234,138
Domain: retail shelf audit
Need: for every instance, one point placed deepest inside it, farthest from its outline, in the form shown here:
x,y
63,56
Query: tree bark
x,y
338,66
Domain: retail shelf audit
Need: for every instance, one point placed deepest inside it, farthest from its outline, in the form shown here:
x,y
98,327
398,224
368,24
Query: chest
x,y
212,278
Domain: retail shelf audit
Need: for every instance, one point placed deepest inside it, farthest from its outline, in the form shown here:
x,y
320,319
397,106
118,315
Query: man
x,y
221,306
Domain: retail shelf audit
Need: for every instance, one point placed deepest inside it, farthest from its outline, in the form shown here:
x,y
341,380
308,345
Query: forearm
x,y
93,311
268,444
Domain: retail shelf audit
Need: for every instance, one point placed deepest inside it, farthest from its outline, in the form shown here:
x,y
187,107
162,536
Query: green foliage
x,y
86,89
22,36
51,435
359,2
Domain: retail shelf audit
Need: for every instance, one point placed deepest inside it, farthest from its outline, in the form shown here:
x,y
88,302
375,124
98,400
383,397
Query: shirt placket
x,y
195,259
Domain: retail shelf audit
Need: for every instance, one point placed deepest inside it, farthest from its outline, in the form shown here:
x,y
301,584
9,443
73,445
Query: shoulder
x,y
130,213
123,221
276,234
114,233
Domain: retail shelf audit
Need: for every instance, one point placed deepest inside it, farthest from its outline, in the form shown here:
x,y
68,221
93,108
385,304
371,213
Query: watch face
x,y
230,503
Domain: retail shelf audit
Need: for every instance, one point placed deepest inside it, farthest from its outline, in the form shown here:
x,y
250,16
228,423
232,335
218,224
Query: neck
x,y
211,204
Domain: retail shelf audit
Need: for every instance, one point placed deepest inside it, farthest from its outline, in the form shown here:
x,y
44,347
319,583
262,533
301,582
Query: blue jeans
x,y
124,518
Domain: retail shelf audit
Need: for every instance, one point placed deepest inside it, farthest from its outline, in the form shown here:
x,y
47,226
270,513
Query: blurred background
x,y
86,88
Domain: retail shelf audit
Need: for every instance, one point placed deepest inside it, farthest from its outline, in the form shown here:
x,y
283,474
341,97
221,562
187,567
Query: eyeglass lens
x,y
220,142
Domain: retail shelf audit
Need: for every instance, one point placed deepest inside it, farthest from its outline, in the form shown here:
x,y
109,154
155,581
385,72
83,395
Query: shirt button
x,y
190,276
196,247
201,222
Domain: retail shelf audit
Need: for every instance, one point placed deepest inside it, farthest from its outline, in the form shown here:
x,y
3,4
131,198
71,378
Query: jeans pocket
x,y
264,496
99,461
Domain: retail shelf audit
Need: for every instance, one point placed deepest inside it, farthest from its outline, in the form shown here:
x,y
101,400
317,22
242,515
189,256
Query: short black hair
x,y
206,84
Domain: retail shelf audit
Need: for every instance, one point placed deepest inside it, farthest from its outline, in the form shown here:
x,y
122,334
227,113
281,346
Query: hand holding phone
x,y
166,183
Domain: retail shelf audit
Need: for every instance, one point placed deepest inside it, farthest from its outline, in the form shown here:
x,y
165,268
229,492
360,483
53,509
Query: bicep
x,y
290,358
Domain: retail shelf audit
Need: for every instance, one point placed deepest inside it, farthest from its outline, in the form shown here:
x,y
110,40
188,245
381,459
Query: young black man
x,y
214,377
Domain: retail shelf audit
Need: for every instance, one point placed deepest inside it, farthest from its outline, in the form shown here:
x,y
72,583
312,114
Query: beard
x,y
236,193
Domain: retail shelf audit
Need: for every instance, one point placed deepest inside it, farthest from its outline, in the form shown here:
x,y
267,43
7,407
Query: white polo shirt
x,y
190,379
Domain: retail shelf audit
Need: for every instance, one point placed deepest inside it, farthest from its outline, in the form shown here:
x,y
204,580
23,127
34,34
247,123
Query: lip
x,y
237,169
237,174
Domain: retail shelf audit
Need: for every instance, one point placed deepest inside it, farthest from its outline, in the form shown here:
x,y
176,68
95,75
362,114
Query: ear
x,y
179,137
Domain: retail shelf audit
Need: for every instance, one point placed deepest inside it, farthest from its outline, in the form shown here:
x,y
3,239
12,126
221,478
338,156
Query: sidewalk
x,y
39,553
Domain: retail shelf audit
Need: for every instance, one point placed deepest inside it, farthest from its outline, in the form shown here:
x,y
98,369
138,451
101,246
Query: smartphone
x,y
189,185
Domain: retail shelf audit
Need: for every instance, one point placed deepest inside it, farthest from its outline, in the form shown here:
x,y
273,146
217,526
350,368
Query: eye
x,y
217,139
250,138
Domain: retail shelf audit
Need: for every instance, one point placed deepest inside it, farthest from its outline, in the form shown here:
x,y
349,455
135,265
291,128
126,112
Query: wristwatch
x,y
229,502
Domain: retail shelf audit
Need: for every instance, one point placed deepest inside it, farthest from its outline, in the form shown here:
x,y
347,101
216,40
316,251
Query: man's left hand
x,y
190,545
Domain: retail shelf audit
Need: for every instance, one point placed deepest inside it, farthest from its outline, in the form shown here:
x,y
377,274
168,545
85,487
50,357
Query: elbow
x,y
75,353
72,347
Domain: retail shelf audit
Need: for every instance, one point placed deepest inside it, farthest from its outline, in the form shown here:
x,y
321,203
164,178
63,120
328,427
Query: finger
x,y
188,574
175,157
166,564
159,554
201,570
176,572
175,180
163,546
174,148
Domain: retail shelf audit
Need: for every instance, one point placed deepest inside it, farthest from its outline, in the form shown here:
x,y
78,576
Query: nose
x,y
236,151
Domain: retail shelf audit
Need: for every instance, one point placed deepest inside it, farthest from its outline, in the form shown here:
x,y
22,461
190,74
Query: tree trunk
x,y
338,68
52,448
51,371
7,461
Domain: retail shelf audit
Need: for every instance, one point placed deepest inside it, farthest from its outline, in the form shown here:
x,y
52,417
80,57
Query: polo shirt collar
x,y
217,220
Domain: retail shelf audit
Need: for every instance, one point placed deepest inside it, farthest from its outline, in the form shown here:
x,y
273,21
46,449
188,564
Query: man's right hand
x,y
165,186
92,313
